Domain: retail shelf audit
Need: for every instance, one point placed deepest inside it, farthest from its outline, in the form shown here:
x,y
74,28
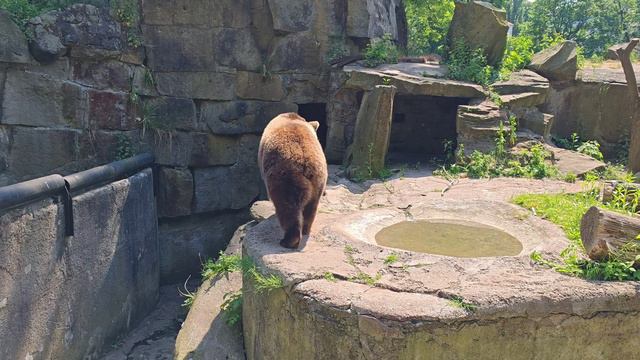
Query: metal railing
x,y
17,195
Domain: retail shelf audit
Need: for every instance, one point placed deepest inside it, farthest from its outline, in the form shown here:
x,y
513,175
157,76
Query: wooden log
x,y
604,233
609,189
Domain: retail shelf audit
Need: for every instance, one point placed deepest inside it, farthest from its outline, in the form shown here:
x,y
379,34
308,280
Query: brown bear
x,y
294,170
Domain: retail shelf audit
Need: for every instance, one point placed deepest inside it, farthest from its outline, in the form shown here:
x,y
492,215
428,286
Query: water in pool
x,y
449,238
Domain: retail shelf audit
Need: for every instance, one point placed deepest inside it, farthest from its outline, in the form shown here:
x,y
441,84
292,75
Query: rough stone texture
x,y
573,162
375,18
596,107
299,52
205,334
110,111
342,112
197,85
187,242
477,125
521,311
373,130
36,99
193,148
13,43
523,89
173,113
175,193
409,81
534,120
238,117
84,30
103,75
481,26
67,298
557,63
26,155
204,13
258,87
155,337
291,16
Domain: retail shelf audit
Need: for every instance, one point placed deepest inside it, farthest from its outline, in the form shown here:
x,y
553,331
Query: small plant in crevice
x,y
364,278
128,14
381,51
124,148
466,64
329,277
391,259
337,49
189,297
460,302
232,307
369,173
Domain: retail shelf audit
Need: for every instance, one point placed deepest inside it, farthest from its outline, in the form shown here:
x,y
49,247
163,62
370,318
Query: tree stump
x,y
604,233
367,154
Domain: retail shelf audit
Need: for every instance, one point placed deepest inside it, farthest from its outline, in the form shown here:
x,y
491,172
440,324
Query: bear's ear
x,y
315,124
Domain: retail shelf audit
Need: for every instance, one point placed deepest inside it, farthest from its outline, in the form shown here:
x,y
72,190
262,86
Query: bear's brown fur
x,y
294,170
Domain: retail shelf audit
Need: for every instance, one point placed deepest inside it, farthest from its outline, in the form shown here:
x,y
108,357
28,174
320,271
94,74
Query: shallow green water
x,y
449,238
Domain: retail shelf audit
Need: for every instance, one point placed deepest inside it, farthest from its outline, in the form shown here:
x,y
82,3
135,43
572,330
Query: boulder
x,y
612,53
85,30
477,125
523,81
481,26
13,43
557,63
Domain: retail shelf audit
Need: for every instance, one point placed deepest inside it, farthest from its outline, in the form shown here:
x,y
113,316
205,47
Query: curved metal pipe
x,y
109,172
28,191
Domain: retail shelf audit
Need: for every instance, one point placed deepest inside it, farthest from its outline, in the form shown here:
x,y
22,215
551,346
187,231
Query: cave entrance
x,y
316,112
421,127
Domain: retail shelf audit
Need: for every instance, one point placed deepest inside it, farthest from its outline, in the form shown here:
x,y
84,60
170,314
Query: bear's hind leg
x,y
309,215
290,218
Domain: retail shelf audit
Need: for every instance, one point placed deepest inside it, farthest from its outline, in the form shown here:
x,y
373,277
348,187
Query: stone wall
x,y
193,81
69,297
595,106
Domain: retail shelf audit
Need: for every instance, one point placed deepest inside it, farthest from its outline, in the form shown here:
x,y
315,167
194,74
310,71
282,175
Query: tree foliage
x,y
594,24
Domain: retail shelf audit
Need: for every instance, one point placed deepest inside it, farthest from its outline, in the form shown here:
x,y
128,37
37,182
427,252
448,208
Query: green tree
x,y
428,22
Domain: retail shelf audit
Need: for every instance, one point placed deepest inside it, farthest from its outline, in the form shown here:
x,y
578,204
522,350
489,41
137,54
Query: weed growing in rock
x,y
466,64
224,265
189,297
566,210
337,49
391,259
232,307
575,143
381,51
125,148
329,277
364,278
459,302
369,172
